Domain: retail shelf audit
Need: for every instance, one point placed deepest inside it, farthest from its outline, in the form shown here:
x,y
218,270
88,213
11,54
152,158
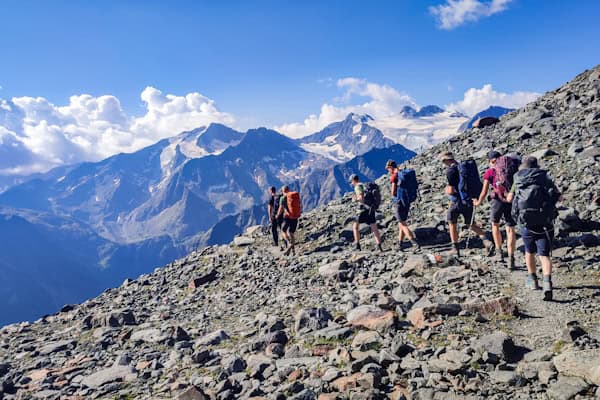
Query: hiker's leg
x,y
375,231
475,228
274,232
409,234
511,240
530,263
400,232
453,229
546,265
497,235
356,231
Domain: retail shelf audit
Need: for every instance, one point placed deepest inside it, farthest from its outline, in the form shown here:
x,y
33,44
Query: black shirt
x,y
453,176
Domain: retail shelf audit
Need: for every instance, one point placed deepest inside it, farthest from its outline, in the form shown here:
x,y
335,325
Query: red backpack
x,y
505,169
294,206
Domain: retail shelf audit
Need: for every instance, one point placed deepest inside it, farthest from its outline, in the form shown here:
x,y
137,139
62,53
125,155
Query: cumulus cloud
x,y
358,96
454,13
91,128
476,100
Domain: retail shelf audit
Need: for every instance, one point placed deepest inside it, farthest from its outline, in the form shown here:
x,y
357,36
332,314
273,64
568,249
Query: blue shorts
x,y
537,241
400,212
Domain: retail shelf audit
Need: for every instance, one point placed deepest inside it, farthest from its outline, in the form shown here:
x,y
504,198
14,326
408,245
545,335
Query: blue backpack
x,y
408,187
469,184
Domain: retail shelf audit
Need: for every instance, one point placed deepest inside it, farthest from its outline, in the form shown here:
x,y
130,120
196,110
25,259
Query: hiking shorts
x,y
400,212
499,210
537,241
457,209
289,225
366,217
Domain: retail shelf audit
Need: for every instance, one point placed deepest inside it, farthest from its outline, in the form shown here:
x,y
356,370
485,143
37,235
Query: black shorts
x,y
289,225
457,209
499,210
366,217
400,212
537,241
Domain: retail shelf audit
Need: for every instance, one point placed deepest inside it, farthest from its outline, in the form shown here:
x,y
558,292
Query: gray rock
x,y
151,335
55,347
567,388
213,338
311,319
498,343
108,375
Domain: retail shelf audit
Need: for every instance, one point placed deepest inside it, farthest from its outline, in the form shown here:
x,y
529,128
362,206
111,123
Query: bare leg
x,y
475,228
511,240
453,228
376,233
546,265
356,232
407,231
530,263
497,235
400,232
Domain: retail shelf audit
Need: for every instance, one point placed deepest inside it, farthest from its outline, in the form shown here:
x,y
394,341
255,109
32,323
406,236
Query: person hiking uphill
x,y
534,196
290,209
272,209
499,177
404,191
366,212
461,193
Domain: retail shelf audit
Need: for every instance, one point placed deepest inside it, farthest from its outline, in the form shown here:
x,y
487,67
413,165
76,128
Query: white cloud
x,y
378,100
458,12
476,100
91,128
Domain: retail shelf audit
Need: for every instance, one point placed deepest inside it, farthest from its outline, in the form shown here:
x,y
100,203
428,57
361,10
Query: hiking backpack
x,y
504,171
372,195
276,202
469,183
408,187
294,206
535,203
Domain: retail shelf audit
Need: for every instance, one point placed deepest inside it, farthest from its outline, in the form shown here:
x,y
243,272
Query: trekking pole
x,y
470,225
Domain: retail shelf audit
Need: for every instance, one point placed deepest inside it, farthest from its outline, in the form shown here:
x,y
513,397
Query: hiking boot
x,y
357,246
498,256
547,285
511,262
400,247
380,248
455,250
532,283
293,250
415,244
489,247
287,252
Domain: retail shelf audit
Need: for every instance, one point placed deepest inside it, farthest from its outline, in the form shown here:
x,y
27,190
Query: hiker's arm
x,y
280,211
394,189
484,190
270,211
510,197
449,190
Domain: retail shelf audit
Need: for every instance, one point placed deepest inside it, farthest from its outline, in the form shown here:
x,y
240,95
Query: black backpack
x,y
275,209
372,196
534,205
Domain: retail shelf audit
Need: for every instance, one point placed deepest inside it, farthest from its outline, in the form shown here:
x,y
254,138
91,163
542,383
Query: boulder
x,y
497,343
311,319
339,269
566,388
371,318
242,241
580,363
108,375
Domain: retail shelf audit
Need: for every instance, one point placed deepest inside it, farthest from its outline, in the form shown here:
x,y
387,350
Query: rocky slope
x,y
242,321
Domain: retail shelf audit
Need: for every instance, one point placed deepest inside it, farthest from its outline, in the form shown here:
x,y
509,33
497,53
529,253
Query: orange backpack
x,y
294,206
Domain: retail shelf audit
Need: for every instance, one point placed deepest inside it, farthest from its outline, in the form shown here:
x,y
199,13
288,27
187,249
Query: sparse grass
x,y
558,346
475,365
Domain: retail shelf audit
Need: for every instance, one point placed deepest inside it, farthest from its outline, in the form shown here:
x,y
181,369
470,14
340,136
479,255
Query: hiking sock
x,y
532,282
547,285
415,244
511,261
456,249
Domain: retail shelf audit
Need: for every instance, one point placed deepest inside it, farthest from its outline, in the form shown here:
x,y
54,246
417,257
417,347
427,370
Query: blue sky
x,y
269,63
263,60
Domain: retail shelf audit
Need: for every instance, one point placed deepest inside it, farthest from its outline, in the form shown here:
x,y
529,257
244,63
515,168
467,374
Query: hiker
x,y
290,209
272,209
404,191
463,186
534,196
500,178
367,207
